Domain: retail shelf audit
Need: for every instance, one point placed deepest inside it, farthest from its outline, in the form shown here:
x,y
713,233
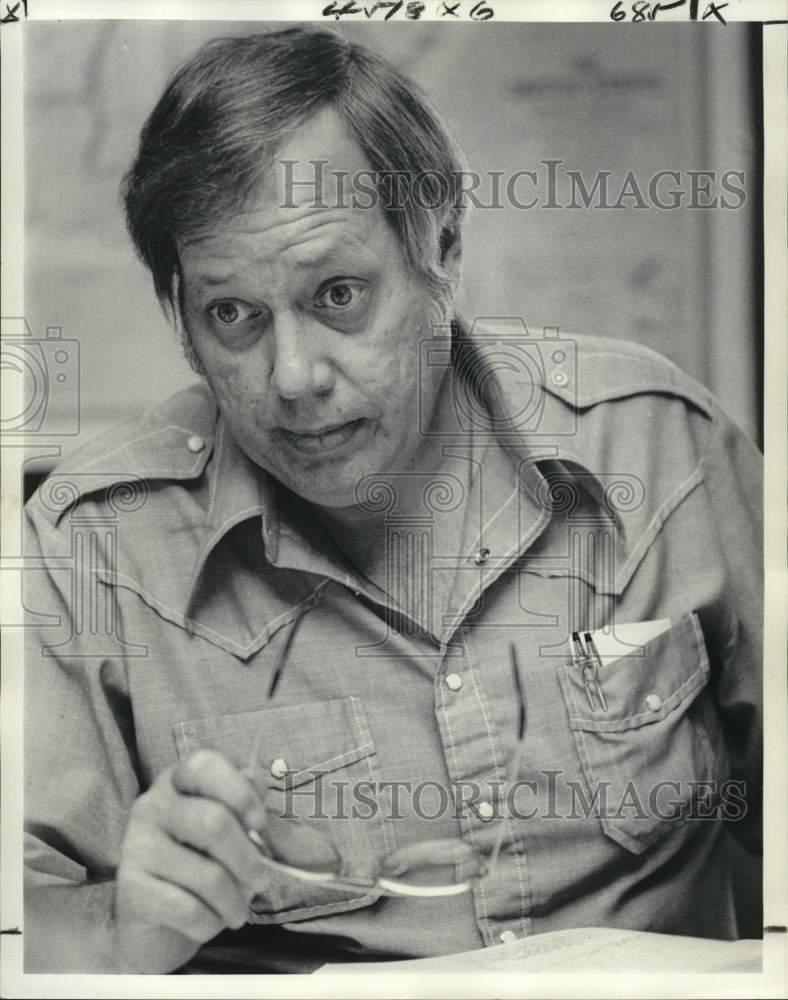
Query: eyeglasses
x,y
283,837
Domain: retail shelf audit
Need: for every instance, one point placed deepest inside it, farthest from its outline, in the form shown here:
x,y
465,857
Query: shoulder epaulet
x,y
601,369
173,441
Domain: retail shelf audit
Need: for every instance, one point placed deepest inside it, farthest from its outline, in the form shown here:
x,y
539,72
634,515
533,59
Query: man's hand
x,y
187,868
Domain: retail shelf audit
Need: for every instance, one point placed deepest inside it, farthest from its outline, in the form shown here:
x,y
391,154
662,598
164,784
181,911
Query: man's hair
x,y
213,135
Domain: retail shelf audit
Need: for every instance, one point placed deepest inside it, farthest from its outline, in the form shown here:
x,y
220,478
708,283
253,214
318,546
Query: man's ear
x,y
451,252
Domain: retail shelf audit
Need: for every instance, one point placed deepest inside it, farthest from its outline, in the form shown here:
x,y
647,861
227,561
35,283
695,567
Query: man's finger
x,y
210,775
210,827
201,876
162,903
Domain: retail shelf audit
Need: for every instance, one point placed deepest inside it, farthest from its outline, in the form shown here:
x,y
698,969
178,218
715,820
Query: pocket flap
x,y
642,756
329,744
291,744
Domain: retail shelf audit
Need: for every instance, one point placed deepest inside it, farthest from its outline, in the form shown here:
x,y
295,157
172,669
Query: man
x,y
380,571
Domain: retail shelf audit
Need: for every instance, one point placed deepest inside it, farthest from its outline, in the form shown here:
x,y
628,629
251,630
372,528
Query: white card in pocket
x,y
625,638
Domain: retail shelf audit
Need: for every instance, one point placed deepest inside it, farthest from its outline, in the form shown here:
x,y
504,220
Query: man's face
x,y
307,322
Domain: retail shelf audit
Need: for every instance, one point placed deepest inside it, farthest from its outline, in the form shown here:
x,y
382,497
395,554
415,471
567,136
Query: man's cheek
x,y
221,384
228,377
243,400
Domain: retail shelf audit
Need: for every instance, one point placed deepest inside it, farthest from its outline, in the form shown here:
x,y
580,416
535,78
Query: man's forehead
x,y
303,197
322,144
266,229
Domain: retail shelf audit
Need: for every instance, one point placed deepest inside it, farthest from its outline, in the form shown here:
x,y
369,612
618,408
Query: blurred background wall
x,y
596,97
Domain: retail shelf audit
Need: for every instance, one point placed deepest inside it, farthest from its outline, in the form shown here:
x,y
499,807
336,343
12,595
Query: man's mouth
x,y
321,440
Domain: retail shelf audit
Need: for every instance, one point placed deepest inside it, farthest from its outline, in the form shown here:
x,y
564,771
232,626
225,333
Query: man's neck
x,y
359,533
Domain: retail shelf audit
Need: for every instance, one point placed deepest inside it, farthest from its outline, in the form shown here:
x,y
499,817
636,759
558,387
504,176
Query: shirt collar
x,y
533,405
534,435
239,490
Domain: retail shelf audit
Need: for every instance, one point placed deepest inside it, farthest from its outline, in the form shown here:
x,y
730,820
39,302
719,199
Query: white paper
x,y
625,638
590,949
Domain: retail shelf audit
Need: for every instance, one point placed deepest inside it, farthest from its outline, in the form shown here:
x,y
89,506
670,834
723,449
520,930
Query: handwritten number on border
x,y
644,10
11,16
480,10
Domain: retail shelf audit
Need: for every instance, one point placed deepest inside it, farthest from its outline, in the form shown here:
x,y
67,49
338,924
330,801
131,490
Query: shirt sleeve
x,y
733,475
80,773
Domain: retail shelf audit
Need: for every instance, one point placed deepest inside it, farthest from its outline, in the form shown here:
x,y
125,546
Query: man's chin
x,y
330,497
321,487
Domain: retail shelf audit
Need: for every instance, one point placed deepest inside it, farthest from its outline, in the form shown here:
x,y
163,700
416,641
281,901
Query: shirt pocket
x,y
319,764
642,754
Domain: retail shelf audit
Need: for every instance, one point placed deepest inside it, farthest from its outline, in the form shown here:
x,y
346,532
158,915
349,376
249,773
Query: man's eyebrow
x,y
322,256
210,280
325,254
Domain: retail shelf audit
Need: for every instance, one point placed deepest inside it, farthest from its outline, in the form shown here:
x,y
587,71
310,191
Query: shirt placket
x,y
476,756
476,760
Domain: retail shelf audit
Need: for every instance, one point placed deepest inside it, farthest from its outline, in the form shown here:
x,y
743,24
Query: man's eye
x,y
339,295
230,312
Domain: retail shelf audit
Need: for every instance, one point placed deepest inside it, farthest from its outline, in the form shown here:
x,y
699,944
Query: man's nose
x,y
298,367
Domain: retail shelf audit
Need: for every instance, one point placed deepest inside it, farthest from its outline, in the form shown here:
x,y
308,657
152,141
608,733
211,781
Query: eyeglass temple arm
x,y
276,673
514,764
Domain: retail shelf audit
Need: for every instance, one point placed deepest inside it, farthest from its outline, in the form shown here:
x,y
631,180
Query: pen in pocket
x,y
588,661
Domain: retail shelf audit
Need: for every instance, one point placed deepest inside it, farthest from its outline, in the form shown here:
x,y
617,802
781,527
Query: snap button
x,y
195,443
453,682
653,702
486,810
506,936
481,556
559,377
279,768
